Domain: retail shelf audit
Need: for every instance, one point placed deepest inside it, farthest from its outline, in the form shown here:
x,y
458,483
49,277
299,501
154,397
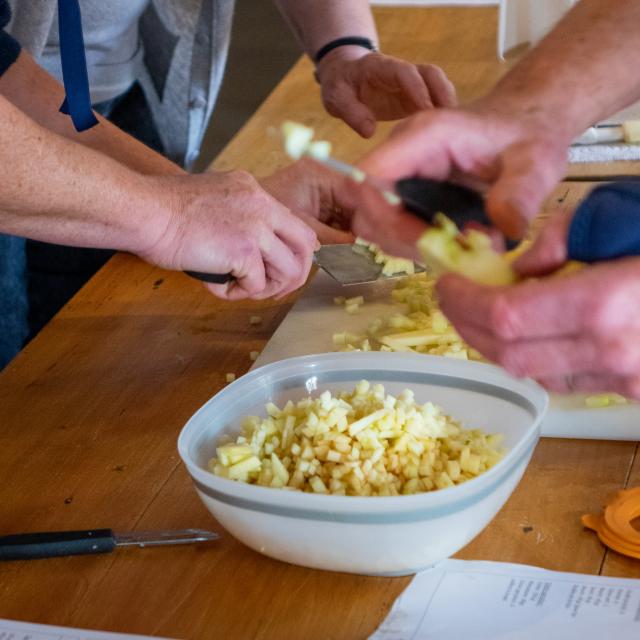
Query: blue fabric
x,y
13,297
9,48
606,225
77,102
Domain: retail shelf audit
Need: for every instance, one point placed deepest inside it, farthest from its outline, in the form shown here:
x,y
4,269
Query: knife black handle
x,y
32,546
212,278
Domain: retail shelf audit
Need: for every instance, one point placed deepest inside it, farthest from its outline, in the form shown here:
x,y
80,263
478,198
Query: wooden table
x,y
90,413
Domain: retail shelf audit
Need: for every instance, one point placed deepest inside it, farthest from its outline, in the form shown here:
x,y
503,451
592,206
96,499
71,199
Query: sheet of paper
x,y
459,600
12,630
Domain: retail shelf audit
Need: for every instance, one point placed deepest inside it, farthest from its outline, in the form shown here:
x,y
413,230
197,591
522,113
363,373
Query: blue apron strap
x,y
77,102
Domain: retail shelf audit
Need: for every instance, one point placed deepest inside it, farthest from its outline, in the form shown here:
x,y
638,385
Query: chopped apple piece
x,y
444,250
364,442
604,400
297,138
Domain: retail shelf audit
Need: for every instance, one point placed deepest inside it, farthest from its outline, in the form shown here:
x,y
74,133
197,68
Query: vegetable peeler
x,y
50,544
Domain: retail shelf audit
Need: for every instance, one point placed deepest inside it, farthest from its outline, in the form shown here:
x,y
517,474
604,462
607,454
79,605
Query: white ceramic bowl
x,y
375,535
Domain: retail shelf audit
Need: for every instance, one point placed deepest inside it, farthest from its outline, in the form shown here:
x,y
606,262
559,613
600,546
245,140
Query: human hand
x,y
515,160
361,87
576,332
314,194
226,223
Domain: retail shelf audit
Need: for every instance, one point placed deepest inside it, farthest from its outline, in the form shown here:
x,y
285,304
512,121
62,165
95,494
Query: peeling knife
x,y
50,544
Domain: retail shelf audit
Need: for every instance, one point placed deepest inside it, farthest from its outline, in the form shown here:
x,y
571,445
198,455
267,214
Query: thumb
x,y
529,171
549,250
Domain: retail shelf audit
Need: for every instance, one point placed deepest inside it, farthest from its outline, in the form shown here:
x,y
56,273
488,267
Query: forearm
x,y
580,73
39,95
55,190
316,22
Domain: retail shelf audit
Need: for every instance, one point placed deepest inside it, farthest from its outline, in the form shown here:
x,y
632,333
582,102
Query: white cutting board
x,y
309,326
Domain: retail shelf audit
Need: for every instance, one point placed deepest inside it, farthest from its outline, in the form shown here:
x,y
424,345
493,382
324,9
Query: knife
x,y
50,544
421,196
628,131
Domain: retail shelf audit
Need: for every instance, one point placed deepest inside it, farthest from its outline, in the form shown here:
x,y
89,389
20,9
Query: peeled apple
x,y
473,258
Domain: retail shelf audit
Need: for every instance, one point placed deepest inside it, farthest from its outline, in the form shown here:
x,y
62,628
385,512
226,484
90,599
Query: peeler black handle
x,y
31,546
425,198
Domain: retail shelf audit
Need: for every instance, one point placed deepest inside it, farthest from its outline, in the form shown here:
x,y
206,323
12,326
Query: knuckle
x,y
550,384
246,245
613,356
606,313
311,237
503,318
510,358
619,356
245,179
333,98
631,388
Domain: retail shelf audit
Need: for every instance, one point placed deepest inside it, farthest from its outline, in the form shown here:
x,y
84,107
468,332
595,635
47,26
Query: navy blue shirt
x,y
9,48
606,225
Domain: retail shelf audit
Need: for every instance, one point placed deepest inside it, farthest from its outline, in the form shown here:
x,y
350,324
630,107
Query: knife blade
x,y
351,264
50,544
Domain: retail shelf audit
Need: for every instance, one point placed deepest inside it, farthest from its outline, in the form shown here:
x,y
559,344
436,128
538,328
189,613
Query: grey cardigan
x,y
185,51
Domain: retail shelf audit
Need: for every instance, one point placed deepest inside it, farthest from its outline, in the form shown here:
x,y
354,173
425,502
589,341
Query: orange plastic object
x,y
614,526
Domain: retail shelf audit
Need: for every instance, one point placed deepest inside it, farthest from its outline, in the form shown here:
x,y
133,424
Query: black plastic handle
x,y
212,278
32,546
425,198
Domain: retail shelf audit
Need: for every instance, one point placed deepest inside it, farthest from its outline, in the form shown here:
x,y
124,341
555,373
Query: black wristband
x,y
357,41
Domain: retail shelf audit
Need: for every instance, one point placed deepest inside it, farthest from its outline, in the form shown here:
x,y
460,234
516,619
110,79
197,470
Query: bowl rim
x,y
353,508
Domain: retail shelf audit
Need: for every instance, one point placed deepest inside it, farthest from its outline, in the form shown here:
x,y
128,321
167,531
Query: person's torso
x,y
112,45
180,70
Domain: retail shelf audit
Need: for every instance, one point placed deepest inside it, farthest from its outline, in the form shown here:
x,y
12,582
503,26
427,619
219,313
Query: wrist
x,y
156,199
338,57
345,49
533,118
560,109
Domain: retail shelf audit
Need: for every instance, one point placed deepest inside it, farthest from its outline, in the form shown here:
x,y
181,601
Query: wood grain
x,y
91,410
